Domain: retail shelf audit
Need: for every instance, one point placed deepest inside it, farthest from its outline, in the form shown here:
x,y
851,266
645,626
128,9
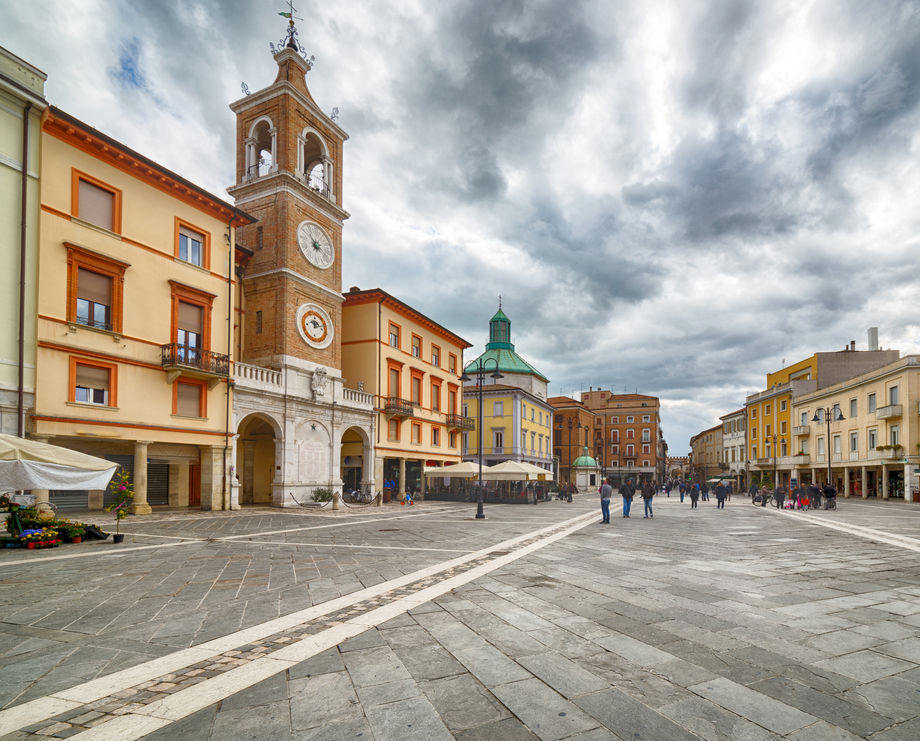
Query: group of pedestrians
x,y
801,497
628,491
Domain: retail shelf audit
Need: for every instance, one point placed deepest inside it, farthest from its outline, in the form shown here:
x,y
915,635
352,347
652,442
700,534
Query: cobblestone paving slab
x,y
738,624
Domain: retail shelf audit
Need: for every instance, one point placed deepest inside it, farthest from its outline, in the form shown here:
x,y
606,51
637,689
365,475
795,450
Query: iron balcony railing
x,y
317,183
460,422
398,407
175,355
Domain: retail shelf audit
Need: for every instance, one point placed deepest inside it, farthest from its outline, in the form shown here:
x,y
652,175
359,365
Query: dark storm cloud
x,y
672,197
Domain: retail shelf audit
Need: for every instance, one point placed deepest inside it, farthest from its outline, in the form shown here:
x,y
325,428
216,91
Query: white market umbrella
x,y
511,471
537,471
28,464
464,470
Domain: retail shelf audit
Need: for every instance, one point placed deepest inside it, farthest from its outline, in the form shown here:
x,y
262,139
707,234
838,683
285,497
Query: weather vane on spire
x,y
499,302
290,39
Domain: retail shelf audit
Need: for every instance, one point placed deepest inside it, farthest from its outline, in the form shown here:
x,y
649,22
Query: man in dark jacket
x,y
721,493
814,496
648,492
627,491
830,493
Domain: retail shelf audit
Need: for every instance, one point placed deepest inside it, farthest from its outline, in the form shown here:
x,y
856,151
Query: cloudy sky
x,y
670,196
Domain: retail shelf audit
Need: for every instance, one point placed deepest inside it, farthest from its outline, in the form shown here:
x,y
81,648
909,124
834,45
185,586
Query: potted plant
x,y
123,491
73,531
44,538
7,503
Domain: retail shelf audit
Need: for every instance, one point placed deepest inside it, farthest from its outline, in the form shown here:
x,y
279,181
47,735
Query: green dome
x,y
584,460
500,351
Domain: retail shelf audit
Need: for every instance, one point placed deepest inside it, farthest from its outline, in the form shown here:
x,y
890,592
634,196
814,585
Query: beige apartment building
x,y
873,449
135,296
412,366
706,454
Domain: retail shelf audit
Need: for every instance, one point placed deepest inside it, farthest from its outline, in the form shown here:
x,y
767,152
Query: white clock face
x,y
315,325
315,244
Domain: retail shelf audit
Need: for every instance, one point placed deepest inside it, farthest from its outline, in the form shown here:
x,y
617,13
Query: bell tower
x,y
289,177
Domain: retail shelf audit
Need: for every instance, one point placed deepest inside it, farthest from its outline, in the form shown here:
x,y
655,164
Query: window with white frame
x,y
853,408
630,420
803,419
820,446
872,438
893,395
498,409
854,442
498,439
894,435
871,400
836,443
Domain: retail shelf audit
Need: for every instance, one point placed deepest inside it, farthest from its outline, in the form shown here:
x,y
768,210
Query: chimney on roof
x,y
873,338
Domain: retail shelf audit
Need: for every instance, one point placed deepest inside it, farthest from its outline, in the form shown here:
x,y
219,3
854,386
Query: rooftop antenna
x,y
499,302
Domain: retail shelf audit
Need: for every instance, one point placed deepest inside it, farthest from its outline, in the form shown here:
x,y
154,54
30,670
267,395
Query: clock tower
x,y
289,177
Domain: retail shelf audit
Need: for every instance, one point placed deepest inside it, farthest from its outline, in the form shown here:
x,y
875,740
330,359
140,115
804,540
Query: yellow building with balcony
x,y
134,306
769,416
517,418
412,366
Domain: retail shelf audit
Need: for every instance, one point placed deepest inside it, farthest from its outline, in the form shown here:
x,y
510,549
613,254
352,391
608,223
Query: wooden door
x,y
194,485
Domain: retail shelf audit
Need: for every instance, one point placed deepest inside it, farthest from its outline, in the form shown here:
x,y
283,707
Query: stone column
x,y
846,481
907,482
233,474
247,474
42,496
421,494
865,481
178,484
212,479
884,477
814,476
401,488
139,505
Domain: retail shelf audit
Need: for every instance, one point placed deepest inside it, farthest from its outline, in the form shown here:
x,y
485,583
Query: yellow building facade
x,y
517,418
769,415
412,366
134,307
874,445
21,105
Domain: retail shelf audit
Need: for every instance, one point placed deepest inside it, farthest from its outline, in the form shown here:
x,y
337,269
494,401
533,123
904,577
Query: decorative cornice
x,y
68,129
262,187
298,277
284,87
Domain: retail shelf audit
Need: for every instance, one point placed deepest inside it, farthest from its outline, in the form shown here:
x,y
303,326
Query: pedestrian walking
x,y
830,493
694,495
627,491
814,496
721,493
606,493
704,492
648,493
682,489
753,490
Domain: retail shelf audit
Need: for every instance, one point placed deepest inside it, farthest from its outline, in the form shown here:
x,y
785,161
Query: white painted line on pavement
x,y
47,707
197,697
226,538
351,545
880,536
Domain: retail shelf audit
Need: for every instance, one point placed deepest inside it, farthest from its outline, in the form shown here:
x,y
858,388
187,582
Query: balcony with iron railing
x,y
178,359
460,422
397,407
316,183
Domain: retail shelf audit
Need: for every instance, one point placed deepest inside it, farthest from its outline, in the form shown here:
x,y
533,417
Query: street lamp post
x,y
479,369
827,413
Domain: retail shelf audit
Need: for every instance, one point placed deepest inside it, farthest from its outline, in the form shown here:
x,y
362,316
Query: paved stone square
x,y
422,622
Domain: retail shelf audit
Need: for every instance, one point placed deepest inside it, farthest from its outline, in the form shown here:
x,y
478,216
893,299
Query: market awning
x,y
514,471
28,464
464,470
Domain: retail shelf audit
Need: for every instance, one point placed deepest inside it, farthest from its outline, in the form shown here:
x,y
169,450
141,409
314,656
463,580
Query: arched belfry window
x,y
261,148
314,166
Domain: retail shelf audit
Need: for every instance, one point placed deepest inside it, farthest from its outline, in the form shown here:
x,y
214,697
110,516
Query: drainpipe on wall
x,y
226,487
20,393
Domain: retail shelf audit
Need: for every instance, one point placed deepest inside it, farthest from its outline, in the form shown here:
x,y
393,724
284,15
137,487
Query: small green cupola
x,y
499,332
584,460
